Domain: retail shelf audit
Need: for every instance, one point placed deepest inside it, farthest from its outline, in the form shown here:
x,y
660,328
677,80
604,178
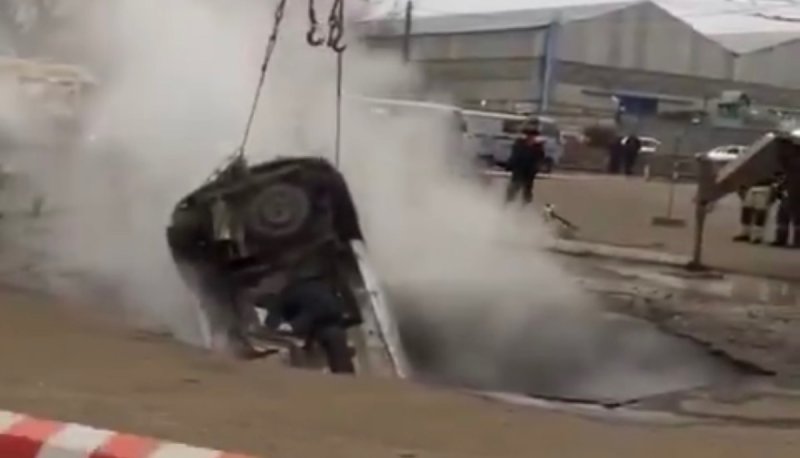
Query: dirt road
x,y
62,366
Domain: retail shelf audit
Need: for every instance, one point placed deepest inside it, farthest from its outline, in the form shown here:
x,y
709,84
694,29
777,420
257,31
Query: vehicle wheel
x,y
333,340
281,210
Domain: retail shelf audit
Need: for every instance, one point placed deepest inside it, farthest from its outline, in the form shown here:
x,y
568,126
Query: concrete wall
x,y
777,66
647,38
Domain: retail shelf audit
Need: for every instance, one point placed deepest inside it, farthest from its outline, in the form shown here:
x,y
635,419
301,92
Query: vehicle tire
x,y
280,211
333,340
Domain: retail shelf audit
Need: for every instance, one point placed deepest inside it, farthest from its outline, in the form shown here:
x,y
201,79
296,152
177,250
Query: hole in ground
x,y
563,353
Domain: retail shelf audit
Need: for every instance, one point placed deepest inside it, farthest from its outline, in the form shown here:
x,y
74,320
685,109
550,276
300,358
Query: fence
x,y
680,142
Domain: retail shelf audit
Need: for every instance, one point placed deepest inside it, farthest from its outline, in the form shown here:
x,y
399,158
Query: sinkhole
x,y
558,352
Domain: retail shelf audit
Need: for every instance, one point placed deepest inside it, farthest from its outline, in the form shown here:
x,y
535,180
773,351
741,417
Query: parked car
x,y
724,154
650,145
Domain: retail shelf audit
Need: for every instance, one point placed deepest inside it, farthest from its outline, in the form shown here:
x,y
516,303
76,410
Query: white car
x,y
725,154
650,145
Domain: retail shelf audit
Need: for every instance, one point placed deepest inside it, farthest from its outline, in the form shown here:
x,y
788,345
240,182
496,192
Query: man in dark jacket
x,y
631,146
789,211
615,156
527,155
783,225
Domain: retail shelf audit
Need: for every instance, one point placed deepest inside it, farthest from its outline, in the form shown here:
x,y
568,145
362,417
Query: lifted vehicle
x,y
278,237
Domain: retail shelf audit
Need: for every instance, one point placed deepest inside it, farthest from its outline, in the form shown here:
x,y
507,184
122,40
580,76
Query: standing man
x,y
789,211
527,155
784,224
631,145
615,154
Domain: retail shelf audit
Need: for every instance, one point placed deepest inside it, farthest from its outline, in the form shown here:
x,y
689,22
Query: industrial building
x,y
591,57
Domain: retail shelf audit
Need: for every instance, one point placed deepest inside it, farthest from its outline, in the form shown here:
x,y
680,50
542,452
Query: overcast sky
x,y
709,16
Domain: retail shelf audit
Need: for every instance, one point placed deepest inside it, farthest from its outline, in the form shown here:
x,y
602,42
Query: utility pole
x,y
409,18
548,62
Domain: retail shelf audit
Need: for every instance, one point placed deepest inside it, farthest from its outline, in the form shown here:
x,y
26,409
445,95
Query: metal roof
x,y
747,42
529,18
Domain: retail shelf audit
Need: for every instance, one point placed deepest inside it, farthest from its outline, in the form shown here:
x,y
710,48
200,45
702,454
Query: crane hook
x,y
313,37
336,24
335,41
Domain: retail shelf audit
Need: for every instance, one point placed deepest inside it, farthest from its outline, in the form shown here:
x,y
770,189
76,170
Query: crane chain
x,y
335,27
336,24
271,44
313,37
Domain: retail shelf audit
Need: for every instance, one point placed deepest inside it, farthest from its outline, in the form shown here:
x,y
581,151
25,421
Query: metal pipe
x,y
705,183
409,19
548,64
339,78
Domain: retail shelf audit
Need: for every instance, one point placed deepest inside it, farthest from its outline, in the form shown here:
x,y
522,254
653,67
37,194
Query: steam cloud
x,y
180,77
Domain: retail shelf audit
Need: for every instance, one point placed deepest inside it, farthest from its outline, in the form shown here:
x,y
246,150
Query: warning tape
x,y
22,436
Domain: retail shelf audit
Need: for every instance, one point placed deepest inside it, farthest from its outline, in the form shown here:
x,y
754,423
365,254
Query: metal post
x,y
674,176
705,179
548,64
409,19
671,196
668,220
339,78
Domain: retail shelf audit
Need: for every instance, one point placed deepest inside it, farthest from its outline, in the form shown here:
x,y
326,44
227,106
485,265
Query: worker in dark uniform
x,y
783,220
615,155
631,146
308,301
789,210
527,155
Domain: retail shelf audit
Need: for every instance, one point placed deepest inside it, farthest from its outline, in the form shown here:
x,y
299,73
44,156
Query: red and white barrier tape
x,y
22,436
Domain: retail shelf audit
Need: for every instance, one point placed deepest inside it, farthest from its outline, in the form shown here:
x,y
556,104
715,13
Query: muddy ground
x,y
59,366
64,362
748,309
762,336
619,211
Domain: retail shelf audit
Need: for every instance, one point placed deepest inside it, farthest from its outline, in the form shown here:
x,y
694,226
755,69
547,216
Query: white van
x,y
483,135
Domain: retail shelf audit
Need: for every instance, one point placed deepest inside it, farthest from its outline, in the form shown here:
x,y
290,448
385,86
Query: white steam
x,y
467,274
172,104
181,78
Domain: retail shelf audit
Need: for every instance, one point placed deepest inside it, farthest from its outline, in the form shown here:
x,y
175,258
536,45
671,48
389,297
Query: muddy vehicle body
x,y
277,236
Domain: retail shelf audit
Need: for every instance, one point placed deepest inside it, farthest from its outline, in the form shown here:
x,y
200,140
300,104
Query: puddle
x,y
560,353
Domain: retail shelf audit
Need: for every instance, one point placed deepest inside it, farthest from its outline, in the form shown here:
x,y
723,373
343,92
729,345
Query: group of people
x,y
528,155
759,200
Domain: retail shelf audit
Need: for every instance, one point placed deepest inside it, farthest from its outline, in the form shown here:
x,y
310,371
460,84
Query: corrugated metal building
x,y
631,50
774,64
